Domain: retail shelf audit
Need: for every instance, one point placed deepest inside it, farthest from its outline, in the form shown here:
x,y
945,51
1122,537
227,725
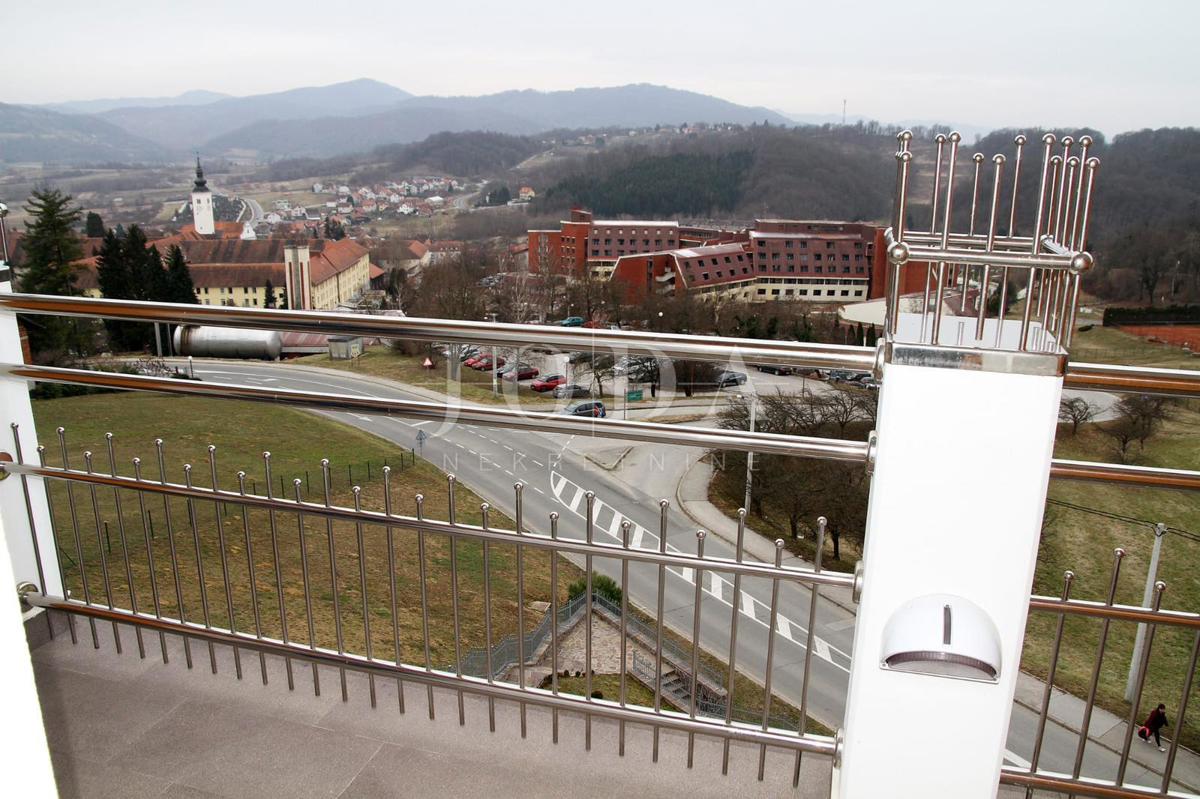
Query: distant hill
x,y
30,134
407,122
194,97
185,127
764,171
514,112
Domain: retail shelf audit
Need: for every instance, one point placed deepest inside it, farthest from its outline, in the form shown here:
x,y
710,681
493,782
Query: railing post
x,y
963,450
23,503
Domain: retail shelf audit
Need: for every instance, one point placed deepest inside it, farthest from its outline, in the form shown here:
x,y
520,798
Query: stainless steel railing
x,y
220,602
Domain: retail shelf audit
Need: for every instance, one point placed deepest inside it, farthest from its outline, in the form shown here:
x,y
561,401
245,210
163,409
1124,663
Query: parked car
x,y
592,323
469,353
571,391
731,379
869,382
838,376
548,382
592,408
774,369
473,359
485,362
521,371
572,321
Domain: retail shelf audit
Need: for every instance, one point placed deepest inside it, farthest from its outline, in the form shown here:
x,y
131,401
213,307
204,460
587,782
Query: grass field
x,y
298,441
1082,538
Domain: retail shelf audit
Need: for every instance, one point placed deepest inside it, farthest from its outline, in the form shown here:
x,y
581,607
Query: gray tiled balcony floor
x,y
121,726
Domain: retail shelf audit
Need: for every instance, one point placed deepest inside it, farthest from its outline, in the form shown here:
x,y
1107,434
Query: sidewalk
x,y
1106,729
692,498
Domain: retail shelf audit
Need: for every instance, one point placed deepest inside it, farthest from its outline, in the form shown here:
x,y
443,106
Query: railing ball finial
x,y
1019,139
898,253
955,137
1082,262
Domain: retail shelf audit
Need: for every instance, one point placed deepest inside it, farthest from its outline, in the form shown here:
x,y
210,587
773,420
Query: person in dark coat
x,y
1153,726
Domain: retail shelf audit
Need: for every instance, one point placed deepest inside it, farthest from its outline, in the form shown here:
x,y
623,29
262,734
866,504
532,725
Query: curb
x,y
615,464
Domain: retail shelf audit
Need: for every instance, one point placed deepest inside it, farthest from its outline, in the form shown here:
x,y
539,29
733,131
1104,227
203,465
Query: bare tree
x,y
1077,411
840,407
1121,433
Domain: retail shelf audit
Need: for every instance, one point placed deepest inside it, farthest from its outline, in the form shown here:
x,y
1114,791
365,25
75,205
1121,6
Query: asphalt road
x,y
490,461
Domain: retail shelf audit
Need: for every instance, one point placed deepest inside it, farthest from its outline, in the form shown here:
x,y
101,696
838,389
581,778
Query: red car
x,y
474,359
485,363
548,383
522,372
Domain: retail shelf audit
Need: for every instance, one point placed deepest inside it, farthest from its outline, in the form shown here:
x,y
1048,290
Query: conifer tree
x,y
51,249
93,227
180,287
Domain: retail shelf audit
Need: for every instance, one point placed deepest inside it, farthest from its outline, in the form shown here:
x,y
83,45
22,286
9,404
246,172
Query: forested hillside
x,y
760,171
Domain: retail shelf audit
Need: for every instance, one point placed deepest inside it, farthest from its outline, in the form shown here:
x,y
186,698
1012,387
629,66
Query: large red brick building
x,y
776,259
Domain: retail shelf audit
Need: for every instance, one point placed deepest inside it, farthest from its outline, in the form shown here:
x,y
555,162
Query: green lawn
x,y
298,440
1084,542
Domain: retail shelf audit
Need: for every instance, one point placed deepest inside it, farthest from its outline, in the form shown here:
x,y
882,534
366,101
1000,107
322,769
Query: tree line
x,y
127,268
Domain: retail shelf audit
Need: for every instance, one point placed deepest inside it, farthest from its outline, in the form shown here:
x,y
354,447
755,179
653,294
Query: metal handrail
x,y
1133,379
654,432
1147,476
669,345
452,528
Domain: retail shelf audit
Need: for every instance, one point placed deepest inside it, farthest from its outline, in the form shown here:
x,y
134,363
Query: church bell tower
x,y
202,203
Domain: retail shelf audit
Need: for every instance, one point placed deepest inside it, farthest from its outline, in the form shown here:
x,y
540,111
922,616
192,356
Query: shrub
x,y
602,584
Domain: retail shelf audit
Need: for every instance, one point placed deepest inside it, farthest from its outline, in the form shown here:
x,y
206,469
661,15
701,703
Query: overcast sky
x,y
1112,64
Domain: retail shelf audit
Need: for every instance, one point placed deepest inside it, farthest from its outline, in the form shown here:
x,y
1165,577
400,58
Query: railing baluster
x,y
487,614
333,577
390,533
308,606
145,516
1048,692
822,522
362,587
735,604
518,490
1143,668
424,579
100,549
554,625
62,574
1076,769
283,625
87,594
589,523
1181,714
191,514
251,573
773,621
133,603
33,534
212,466
451,480
663,505
697,601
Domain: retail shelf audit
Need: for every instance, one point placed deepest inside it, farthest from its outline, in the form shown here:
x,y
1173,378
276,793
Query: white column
x,y
14,400
24,754
955,514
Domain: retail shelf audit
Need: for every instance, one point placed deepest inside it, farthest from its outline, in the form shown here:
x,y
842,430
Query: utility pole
x,y
750,456
1160,532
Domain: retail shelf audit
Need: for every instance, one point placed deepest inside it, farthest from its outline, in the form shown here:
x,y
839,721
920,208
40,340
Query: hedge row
x,y
1171,314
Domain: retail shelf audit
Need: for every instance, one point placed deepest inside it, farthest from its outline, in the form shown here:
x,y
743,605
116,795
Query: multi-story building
x,y
775,259
317,274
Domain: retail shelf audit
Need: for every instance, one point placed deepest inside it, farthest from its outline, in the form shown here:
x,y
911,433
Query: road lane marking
x,y
789,629
1016,760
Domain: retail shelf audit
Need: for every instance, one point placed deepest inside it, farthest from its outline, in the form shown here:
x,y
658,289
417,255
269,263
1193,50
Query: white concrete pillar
x,y
965,439
14,400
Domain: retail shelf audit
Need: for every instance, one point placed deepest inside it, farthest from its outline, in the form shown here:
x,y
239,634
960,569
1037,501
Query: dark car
x,y
593,408
548,382
774,369
731,379
571,391
572,321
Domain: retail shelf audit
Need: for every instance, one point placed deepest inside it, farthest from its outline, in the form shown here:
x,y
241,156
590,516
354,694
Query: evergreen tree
x,y
269,290
179,285
93,228
115,276
51,248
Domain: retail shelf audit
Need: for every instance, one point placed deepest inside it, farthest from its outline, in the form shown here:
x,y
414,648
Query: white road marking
x,y
1016,759
361,417
838,626
537,463
787,628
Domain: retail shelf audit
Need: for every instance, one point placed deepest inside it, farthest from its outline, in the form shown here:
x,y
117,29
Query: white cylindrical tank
x,y
227,342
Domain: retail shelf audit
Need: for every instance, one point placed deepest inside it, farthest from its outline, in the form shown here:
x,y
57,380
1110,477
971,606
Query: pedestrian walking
x,y
1153,726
